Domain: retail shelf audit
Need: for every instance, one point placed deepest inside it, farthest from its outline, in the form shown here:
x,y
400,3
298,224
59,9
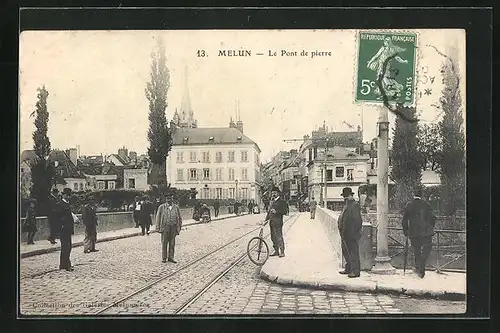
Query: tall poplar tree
x,y
452,158
159,135
42,171
406,160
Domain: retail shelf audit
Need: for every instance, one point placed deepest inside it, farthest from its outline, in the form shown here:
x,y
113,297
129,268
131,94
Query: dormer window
x,y
211,138
239,138
185,140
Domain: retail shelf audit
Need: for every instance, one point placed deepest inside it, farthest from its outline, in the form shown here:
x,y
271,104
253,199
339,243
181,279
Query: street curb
x,y
373,288
107,239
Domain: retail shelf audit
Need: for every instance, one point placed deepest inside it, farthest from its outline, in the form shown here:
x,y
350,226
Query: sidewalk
x,y
43,246
311,262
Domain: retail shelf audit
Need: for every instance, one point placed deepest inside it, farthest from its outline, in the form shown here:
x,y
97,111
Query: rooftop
x,y
210,135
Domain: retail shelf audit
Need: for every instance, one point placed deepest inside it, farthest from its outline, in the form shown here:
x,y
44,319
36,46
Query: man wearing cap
x,y
418,224
89,218
54,216
168,224
277,208
349,225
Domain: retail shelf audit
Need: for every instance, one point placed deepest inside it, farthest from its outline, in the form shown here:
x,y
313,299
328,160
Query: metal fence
x,y
448,250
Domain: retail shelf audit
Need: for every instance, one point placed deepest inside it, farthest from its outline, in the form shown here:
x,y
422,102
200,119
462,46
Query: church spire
x,y
186,110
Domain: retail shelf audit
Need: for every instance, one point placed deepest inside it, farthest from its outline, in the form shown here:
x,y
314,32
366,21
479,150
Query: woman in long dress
x,y
392,88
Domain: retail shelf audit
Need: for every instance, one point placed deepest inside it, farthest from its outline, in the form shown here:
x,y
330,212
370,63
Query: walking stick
x,y
405,255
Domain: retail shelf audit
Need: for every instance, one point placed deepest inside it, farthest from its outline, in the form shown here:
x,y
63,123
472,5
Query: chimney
x,y
231,123
239,126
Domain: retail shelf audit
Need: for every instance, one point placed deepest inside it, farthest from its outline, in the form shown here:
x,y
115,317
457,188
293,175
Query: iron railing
x,y
443,245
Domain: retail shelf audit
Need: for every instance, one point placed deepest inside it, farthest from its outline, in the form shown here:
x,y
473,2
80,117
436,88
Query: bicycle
x,y
257,248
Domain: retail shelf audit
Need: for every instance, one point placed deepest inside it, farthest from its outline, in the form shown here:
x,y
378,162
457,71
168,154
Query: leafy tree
x,y
429,146
159,135
406,161
42,170
452,159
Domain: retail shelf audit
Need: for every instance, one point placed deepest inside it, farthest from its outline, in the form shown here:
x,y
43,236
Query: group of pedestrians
x,y
62,225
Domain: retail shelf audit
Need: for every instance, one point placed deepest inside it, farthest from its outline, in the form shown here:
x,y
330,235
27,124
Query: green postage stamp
x,y
399,78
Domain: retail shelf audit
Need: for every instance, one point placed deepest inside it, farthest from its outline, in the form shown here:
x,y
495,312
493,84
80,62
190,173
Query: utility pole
x,y
383,260
325,184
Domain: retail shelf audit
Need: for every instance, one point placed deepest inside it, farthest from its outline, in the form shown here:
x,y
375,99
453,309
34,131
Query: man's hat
x,y
55,191
275,189
67,191
32,200
347,191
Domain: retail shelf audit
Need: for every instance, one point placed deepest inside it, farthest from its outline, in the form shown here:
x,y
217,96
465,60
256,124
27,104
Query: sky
x,y
96,82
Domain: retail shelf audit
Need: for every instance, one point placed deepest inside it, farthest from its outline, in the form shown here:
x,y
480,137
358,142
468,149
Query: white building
x,y
135,179
343,169
216,162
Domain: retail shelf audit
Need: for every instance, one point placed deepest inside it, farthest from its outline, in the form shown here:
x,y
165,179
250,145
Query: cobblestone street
x,y
120,267
125,266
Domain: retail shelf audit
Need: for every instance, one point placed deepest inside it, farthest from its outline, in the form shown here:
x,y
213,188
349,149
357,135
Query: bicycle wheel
x,y
258,251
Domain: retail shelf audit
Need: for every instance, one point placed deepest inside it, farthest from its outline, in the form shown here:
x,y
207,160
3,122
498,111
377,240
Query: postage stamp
x,y
390,55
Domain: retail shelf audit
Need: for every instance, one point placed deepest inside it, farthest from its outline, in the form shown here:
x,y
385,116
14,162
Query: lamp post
x,y
325,177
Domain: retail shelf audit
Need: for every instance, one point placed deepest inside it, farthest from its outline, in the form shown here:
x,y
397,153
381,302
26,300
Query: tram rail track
x,y
199,293
209,285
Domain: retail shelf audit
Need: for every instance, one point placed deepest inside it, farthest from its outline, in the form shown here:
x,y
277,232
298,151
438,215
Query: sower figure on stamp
x,y
67,229
277,208
312,207
350,225
54,216
418,224
169,224
89,218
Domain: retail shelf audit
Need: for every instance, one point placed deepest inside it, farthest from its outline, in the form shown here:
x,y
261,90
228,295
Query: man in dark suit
x,y
54,216
277,208
216,207
418,224
89,218
67,229
147,209
350,225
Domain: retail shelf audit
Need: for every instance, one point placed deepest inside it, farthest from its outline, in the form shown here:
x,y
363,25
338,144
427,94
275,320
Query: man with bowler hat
x,y
418,224
349,225
277,208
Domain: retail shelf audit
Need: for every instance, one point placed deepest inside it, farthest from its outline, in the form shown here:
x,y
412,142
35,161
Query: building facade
x,y
216,162
343,169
